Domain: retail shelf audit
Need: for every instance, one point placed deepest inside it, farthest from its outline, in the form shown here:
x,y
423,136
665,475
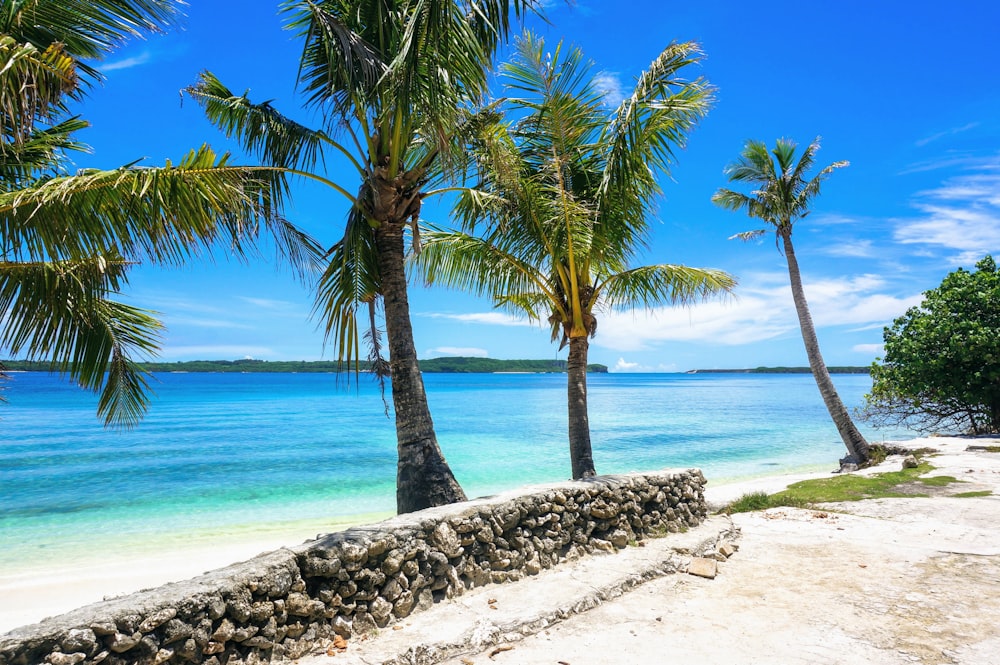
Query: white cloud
x,y
450,351
763,310
128,63
623,366
267,303
489,318
950,132
962,215
610,87
820,222
851,248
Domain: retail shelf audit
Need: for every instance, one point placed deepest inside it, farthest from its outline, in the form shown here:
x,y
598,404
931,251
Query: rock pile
x,y
286,603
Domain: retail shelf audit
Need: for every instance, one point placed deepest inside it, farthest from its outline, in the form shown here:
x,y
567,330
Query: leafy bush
x,y
941,369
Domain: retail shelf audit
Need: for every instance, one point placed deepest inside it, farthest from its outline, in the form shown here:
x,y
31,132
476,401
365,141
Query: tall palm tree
x,y
563,202
67,241
394,80
781,197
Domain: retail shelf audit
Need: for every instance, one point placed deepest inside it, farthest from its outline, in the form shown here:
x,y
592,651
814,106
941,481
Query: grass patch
x,y
984,449
761,501
845,487
970,495
939,481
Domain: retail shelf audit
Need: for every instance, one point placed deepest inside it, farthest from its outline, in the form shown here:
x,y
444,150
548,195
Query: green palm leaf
x,y
652,286
61,311
86,29
163,214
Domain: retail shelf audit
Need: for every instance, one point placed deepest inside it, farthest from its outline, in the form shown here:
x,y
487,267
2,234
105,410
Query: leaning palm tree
x,y
782,197
394,80
68,240
563,202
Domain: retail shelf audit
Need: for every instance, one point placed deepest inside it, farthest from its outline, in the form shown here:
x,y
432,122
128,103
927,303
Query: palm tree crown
x,y
563,201
782,195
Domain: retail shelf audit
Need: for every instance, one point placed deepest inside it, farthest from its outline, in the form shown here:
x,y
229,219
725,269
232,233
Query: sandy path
x,y
888,581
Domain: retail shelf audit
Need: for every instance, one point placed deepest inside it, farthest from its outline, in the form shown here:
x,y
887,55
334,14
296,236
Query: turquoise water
x,y
230,453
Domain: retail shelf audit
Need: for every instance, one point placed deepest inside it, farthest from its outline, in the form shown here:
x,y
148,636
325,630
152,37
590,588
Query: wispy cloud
x,y
851,248
762,311
949,132
953,161
610,87
467,351
128,63
962,215
266,303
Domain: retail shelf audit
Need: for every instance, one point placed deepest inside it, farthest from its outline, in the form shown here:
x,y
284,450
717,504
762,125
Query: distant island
x,y
782,370
456,365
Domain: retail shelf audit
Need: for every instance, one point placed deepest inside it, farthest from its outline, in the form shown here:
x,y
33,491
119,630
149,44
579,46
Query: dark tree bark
x,y
857,446
423,478
579,423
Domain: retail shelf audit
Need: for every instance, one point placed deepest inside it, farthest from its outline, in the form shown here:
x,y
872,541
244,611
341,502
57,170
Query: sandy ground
x,y
909,580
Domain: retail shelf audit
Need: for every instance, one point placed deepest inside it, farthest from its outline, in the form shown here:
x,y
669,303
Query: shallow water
x,y
229,455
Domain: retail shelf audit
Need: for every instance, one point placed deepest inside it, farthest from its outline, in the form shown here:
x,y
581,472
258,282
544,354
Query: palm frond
x,y
664,284
39,154
459,260
782,195
163,214
61,311
33,84
649,126
86,29
263,131
747,236
351,280
339,65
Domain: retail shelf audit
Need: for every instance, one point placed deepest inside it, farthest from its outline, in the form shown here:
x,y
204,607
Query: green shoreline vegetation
x,y
455,365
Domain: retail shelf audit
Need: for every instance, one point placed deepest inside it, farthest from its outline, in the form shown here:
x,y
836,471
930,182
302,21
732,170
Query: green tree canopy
x,y
941,368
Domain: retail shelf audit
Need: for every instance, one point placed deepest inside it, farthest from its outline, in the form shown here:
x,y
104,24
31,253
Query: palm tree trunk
x,y
857,446
423,478
579,424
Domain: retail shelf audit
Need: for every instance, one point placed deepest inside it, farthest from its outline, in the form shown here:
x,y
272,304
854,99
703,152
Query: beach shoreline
x,y
33,591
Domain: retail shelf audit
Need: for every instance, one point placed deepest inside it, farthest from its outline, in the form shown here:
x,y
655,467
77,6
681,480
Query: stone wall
x,y
287,603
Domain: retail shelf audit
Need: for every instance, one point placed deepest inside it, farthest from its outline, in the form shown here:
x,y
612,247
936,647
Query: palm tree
x,y
782,197
394,80
564,196
67,241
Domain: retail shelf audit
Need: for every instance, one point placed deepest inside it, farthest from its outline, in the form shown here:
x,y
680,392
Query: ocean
x,y
223,456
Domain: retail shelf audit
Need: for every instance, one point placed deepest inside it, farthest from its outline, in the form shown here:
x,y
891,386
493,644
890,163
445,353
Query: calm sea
x,y
231,454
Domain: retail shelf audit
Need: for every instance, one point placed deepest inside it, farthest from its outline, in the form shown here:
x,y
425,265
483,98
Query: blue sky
x,y
908,92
